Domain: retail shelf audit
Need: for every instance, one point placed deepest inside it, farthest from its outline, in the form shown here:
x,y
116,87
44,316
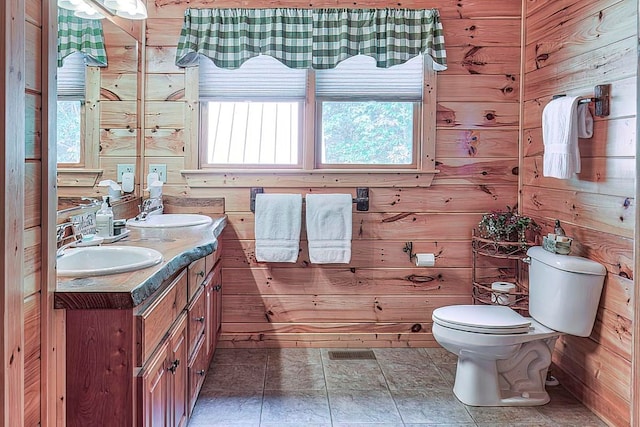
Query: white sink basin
x,y
171,221
102,260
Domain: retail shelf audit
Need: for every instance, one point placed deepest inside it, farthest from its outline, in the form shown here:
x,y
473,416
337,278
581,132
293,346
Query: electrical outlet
x,y
123,169
161,170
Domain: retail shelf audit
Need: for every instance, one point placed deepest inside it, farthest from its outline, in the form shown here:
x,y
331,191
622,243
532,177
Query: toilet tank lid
x,y
574,264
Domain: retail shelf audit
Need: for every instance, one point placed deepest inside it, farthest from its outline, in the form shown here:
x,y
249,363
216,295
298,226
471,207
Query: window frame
x,y
203,135
415,150
89,123
83,128
309,143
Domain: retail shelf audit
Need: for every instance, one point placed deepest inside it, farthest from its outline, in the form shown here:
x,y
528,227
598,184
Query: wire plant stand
x,y
514,252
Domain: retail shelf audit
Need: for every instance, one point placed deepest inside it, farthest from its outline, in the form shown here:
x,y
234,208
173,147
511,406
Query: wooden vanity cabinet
x,y
144,366
162,383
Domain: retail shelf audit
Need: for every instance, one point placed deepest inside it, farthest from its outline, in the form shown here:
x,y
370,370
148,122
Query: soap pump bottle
x,y
558,230
104,219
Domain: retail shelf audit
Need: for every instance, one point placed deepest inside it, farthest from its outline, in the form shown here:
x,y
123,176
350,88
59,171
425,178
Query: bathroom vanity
x,y
138,344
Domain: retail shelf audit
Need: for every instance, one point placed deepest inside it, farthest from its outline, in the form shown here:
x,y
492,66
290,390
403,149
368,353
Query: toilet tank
x,y
564,291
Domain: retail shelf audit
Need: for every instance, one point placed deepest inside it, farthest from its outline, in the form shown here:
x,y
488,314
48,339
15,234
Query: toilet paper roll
x,y
425,260
506,296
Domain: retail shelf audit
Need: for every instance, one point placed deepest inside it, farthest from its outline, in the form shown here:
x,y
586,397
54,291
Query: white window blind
x,y
259,78
358,78
71,77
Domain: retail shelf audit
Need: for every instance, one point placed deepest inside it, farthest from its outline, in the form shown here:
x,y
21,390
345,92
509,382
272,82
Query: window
x,y
265,115
368,116
71,94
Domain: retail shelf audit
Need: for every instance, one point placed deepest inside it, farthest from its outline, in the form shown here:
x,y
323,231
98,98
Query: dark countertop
x,y
179,247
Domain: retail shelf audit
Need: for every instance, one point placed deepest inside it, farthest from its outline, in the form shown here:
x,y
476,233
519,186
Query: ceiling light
x,y
137,12
71,4
86,11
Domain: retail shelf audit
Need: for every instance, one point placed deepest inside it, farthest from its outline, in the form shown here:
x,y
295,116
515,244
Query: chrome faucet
x,y
148,207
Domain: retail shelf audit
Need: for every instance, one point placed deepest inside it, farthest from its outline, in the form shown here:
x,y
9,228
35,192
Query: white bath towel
x,y
278,219
329,228
563,121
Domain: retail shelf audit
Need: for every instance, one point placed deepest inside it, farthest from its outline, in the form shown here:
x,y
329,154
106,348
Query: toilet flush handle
x,y
527,260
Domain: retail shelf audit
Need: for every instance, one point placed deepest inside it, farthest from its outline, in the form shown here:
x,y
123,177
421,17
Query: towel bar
x,y
600,99
361,200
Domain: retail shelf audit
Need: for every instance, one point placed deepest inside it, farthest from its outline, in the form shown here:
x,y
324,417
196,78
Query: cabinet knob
x,y
199,319
174,366
201,372
217,288
200,273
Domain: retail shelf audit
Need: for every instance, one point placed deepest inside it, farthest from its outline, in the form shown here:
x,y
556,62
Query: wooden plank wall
x,y
33,221
571,46
380,299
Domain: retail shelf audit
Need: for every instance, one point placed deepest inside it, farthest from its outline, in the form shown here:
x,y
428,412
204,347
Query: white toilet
x,y
503,357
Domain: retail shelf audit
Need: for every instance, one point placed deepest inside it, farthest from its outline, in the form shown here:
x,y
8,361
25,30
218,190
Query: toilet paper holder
x,y
408,249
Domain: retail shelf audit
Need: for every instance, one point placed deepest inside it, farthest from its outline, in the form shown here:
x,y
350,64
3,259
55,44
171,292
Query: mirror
x,y
109,127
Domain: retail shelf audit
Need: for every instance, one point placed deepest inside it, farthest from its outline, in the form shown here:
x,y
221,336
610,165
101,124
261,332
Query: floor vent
x,y
352,355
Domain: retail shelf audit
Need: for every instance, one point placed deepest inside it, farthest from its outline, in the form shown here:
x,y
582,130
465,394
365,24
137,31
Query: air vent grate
x,y
352,355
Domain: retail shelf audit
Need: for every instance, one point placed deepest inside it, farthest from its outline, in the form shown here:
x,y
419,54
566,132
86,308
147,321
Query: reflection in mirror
x,y
97,111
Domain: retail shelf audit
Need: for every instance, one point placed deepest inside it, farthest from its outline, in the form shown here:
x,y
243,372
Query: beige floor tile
x,y
363,406
235,377
227,408
354,375
294,376
302,407
430,407
304,388
408,376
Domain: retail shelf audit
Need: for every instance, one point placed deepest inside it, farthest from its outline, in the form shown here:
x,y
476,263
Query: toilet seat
x,y
484,319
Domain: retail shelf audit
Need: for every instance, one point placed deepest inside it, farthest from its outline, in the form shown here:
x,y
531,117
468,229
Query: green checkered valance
x,y
310,38
80,35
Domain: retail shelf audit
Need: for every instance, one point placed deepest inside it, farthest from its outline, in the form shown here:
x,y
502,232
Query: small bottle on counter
x,y
558,230
104,219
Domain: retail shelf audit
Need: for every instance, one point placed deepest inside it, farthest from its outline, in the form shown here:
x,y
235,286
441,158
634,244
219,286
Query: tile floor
x,y
403,387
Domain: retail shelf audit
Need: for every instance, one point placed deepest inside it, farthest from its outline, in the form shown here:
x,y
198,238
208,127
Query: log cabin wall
x,y
34,374
380,299
570,47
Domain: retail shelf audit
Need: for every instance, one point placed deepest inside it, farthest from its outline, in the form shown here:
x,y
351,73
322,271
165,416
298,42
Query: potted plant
x,y
506,226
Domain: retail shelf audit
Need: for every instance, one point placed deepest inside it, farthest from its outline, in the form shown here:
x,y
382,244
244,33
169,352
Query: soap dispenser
x,y
104,219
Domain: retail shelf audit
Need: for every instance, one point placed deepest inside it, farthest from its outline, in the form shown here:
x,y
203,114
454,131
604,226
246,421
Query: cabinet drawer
x,y
154,321
197,273
197,319
197,372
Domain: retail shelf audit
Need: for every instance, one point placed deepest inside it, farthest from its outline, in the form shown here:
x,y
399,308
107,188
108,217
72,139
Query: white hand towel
x,y
329,227
585,121
278,219
560,137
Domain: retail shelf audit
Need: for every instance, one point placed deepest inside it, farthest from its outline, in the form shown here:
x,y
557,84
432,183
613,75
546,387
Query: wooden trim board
x,y
12,181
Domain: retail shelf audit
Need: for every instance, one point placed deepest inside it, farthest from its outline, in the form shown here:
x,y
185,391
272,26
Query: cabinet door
x,y
154,391
214,308
209,317
177,367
